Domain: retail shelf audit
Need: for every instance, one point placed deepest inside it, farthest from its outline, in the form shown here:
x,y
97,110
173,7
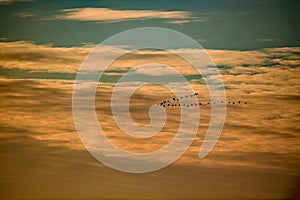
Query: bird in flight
x,y
175,102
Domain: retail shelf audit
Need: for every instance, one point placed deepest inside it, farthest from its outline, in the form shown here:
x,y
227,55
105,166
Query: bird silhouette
x,y
176,101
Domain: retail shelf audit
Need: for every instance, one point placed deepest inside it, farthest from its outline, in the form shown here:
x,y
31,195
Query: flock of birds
x,y
174,102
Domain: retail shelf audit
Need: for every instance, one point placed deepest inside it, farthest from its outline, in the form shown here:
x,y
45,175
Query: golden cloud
x,y
29,56
110,15
259,142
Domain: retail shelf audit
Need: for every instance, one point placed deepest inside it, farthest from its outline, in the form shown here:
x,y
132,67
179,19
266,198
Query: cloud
x,y
183,21
201,40
267,39
7,2
25,14
155,70
256,71
233,58
110,15
29,56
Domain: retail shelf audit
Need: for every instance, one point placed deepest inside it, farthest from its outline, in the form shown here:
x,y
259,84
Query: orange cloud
x,y
110,15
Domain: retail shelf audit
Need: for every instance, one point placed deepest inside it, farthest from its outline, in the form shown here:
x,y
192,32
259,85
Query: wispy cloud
x,y
258,70
25,14
183,21
109,15
7,2
200,40
267,39
62,59
41,57
154,70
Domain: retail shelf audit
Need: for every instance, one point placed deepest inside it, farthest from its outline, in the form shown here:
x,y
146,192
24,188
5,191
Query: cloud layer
x,y
259,143
254,71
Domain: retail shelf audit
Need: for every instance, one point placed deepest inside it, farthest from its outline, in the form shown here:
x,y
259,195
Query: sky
x,y
255,44
215,24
